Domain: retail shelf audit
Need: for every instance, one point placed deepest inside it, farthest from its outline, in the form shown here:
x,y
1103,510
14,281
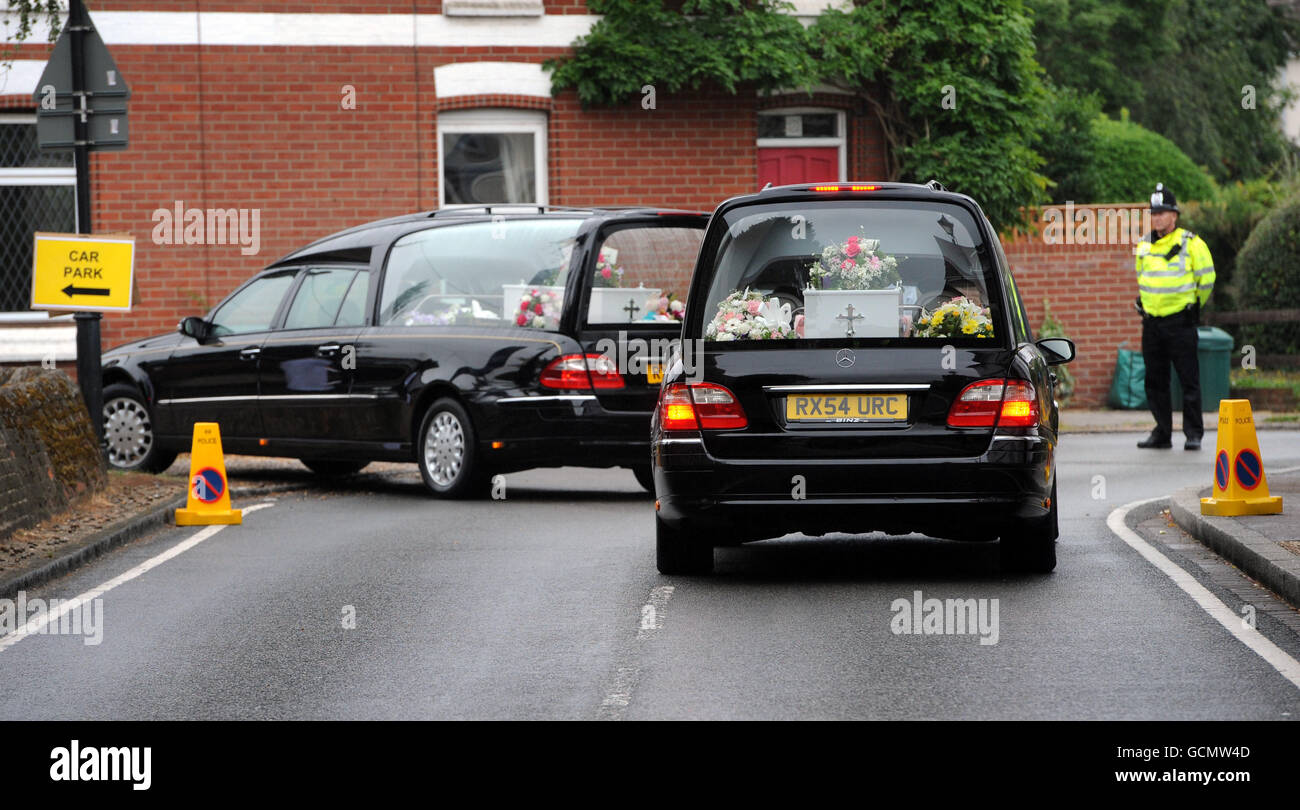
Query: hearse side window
x,y
642,275
791,271
353,311
477,273
253,308
318,300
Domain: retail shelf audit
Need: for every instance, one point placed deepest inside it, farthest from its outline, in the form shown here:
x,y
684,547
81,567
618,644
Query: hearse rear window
x,y
480,273
844,270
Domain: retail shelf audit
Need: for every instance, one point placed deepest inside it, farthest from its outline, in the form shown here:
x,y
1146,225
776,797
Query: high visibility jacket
x,y
1173,272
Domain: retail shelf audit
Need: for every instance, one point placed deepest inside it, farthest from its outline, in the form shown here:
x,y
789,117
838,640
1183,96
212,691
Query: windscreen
x,y
852,269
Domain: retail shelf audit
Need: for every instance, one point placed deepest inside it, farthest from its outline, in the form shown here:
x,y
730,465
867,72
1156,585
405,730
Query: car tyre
x,y
446,451
129,438
1030,545
645,477
681,551
333,468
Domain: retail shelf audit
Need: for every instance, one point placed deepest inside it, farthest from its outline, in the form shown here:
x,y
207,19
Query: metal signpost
x,y
81,105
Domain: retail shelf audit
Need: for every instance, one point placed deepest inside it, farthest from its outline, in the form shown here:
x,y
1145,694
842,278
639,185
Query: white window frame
x,y
496,120
38,343
840,142
30,176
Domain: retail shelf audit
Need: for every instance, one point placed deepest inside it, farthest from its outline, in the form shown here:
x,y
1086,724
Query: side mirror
x,y
196,328
1056,350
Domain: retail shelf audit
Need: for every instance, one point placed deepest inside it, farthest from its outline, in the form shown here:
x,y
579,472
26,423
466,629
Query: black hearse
x,y
866,364
471,341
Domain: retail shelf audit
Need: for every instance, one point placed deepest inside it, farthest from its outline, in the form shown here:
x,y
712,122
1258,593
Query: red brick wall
x,y
261,127
1090,289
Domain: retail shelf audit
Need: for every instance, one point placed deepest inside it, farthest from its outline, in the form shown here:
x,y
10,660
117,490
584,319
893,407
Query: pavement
x,y
1265,547
1115,421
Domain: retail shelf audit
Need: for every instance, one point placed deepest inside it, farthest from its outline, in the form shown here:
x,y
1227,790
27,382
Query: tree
x,y
27,13
1203,73
953,83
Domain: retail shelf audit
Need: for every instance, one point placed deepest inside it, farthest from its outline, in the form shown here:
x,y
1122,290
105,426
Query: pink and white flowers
x,y
539,309
853,265
746,316
607,275
664,308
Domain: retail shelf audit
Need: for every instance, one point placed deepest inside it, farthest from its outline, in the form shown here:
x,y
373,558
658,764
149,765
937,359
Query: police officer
x,y
1174,275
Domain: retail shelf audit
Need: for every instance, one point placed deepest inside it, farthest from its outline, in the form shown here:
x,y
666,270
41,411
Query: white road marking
x,y
652,613
1278,658
619,694
35,626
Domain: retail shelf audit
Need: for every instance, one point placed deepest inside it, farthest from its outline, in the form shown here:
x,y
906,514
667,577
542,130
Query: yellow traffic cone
x,y
209,500
1240,487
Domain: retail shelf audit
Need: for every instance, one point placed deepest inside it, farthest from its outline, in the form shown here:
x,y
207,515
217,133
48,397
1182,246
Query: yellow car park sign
x,y
78,272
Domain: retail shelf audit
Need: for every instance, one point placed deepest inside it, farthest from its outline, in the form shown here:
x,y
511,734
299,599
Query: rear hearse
x,y
864,362
471,341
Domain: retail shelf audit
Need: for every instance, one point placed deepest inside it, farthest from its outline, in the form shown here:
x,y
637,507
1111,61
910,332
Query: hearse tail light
x,y
579,371
986,403
676,411
604,372
700,405
1019,405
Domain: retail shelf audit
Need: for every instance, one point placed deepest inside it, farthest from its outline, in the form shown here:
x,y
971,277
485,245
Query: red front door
x,y
782,165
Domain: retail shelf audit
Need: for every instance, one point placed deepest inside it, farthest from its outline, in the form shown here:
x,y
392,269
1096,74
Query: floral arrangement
x,y
539,309
854,265
960,317
664,308
746,316
607,275
444,318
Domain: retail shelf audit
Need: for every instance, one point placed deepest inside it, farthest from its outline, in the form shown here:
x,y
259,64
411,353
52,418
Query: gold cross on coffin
x,y
850,316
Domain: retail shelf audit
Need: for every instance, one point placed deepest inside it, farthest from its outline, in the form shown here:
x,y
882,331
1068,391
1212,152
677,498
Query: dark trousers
x,y
1172,340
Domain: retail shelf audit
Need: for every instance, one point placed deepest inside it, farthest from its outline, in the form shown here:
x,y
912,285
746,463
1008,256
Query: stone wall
x,y
48,454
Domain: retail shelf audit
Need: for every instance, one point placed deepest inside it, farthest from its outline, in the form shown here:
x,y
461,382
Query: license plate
x,y
846,408
654,373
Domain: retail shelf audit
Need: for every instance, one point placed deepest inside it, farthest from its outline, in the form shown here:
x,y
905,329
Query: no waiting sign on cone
x,y
1240,487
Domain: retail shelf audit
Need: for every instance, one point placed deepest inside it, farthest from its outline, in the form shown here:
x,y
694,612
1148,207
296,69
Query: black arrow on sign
x,y
71,291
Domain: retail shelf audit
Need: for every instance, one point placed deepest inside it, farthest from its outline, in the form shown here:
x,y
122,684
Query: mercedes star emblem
x,y
844,358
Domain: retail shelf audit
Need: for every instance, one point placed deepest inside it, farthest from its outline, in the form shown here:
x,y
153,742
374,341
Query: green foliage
x,y
22,16
1052,328
1268,279
904,57
1180,66
1129,160
1068,143
1225,223
706,43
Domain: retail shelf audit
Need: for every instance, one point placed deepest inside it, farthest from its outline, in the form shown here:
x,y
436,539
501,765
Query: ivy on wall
x,y
953,84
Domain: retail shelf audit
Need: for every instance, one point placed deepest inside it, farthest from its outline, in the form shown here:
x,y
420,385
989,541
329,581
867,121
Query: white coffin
x,y
609,304
878,308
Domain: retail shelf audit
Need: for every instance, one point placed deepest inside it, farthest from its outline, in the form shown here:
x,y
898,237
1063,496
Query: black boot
x,y
1192,444
1155,440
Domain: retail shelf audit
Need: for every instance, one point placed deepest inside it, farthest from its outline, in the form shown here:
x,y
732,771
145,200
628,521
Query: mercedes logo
x,y
844,358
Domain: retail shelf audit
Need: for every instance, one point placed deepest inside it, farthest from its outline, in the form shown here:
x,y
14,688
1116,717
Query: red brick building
x,y
322,115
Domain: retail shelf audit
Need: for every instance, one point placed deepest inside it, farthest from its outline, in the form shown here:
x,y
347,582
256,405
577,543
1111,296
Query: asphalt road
x,y
547,605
